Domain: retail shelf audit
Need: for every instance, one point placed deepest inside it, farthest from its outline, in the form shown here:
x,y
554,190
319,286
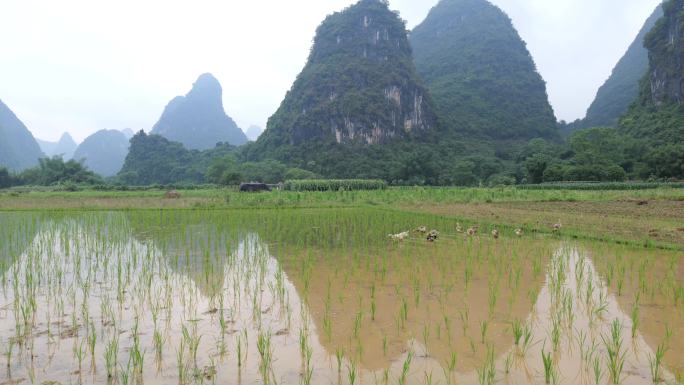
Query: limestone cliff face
x,y
666,53
358,86
658,113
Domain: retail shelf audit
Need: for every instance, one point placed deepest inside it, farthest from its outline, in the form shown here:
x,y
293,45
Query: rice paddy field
x,y
308,288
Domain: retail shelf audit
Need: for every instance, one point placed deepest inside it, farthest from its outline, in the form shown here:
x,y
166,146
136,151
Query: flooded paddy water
x,y
325,297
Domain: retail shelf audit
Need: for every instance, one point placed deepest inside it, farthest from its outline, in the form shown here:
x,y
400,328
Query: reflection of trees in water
x,y
198,243
339,263
17,232
654,278
195,244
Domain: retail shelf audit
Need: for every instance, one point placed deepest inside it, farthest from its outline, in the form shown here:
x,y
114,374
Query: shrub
x,y
334,185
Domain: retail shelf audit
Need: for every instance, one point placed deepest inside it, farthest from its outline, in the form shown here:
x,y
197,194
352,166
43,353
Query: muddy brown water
x,y
407,312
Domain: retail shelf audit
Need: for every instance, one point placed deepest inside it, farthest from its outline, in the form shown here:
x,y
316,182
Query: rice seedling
x,y
487,373
656,362
598,371
266,355
351,373
615,354
193,284
517,329
548,367
405,368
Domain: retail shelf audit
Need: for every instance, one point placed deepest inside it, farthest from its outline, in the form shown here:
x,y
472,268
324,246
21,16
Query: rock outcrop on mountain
x,y
198,119
622,87
103,152
481,76
658,113
64,147
18,148
359,85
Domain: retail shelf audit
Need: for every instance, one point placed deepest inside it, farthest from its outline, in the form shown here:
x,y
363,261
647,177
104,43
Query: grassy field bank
x,y
653,217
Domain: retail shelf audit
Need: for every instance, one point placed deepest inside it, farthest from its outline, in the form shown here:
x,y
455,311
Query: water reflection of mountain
x,y
198,243
446,290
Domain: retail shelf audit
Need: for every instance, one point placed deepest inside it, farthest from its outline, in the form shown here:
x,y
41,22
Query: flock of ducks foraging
x,y
433,235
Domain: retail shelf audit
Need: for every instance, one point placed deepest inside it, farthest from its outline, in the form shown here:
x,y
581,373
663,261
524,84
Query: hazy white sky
x,y
84,65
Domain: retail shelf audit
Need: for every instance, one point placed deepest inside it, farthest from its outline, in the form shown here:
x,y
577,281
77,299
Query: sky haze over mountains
x,y
81,66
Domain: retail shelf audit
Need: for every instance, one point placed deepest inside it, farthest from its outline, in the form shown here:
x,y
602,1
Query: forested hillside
x,y
480,74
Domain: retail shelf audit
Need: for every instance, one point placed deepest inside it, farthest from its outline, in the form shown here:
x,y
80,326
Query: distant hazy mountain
x,y
622,87
253,133
128,132
480,74
64,147
104,152
18,148
198,120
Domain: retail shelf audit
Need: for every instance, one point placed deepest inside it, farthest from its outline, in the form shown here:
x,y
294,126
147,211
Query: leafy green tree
x,y
536,166
299,174
55,171
598,146
5,178
464,173
667,161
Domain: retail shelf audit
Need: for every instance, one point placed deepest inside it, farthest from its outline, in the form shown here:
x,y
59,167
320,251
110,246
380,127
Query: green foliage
x,y
667,161
603,186
153,159
227,171
334,185
6,179
445,163
55,171
480,74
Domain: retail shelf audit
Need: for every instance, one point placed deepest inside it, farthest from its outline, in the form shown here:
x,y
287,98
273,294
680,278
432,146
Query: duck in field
x,y
557,227
519,232
421,229
459,229
495,234
472,231
399,237
433,235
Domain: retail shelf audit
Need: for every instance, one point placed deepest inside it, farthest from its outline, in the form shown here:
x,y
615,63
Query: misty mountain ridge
x,y
19,150
620,90
254,132
103,152
64,147
198,119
